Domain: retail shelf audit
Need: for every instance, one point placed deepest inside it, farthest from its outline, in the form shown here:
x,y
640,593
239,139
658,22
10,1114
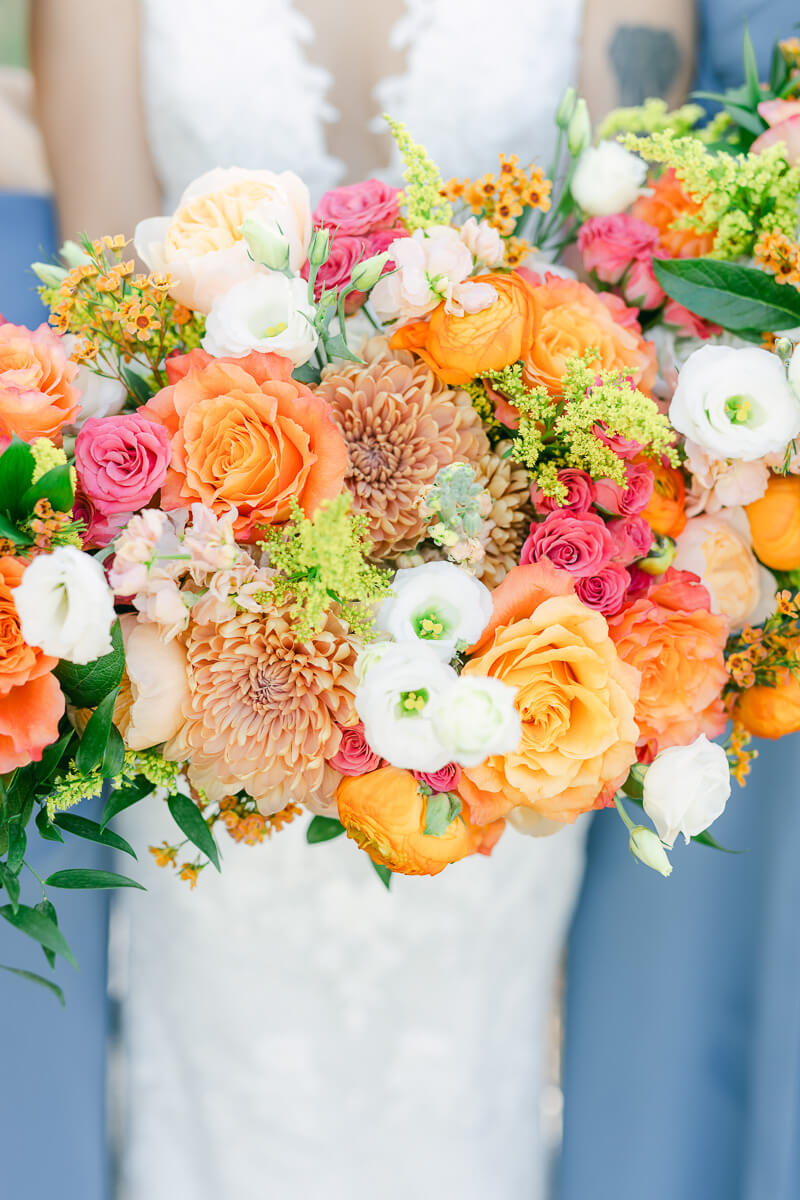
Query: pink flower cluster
x,y
355,756
364,220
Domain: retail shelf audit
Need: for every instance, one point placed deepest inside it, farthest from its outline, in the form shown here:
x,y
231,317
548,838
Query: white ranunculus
x,y
735,403
477,717
436,603
607,179
483,242
268,313
686,788
395,700
65,606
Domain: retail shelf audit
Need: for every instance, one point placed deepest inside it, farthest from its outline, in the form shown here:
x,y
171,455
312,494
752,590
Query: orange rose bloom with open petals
x,y
679,646
575,697
385,813
31,702
36,394
459,348
244,433
665,511
775,523
771,712
663,207
574,318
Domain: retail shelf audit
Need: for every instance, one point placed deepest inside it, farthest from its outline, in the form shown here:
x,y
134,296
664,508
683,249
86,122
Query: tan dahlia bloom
x,y
509,521
264,710
400,424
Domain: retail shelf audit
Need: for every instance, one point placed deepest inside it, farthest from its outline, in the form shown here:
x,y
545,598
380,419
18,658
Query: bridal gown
x,y
291,1029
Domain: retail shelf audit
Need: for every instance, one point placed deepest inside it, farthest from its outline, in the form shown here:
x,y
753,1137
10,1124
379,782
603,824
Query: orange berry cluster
x,y
740,758
501,199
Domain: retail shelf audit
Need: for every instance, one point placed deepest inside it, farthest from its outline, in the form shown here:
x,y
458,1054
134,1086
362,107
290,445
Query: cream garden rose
x,y
686,788
718,548
149,709
65,606
268,313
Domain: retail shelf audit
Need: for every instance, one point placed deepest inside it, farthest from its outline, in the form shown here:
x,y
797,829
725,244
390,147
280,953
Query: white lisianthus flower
x,y
735,403
686,788
436,603
718,548
433,265
65,606
476,718
266,313
395,701
483,242
607,179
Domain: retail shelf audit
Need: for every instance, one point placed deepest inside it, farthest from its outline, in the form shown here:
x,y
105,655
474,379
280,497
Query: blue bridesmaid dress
x,y
52,1098
682,1054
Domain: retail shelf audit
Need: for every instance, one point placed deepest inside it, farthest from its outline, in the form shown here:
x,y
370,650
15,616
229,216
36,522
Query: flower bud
x,y
662,552
646,846
366,274
48,273
319,248
794,370
566,108
783,348
267,246
579,130
73,254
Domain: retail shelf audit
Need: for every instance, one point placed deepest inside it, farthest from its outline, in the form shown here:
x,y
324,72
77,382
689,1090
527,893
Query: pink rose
x,y
783,119
359,208
580,493
100,529
628,500
579,544
633,538
121,461
609,245
622,447
355,756
606,590
335,273
641,288
446,779
628,318
687,323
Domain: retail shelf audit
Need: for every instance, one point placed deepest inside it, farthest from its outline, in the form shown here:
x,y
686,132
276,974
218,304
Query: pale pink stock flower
x,y
148,536
210,541
483,242
722,483
162,603
432,265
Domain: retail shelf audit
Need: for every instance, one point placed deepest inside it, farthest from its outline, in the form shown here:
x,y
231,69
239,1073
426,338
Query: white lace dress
x,y
292,1030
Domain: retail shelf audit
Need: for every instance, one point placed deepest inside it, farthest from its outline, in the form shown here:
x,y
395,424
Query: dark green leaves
x,y
87,685
96,734
38,926
114,756
323,829
188,818
46,829
124,797
84,828
441,809
82,877
383,873
32,977
740,299
16,472
56,486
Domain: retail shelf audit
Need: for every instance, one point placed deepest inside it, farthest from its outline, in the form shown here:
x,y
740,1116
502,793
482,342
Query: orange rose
x,y
573,319
31,702
36,394
459,348
679,646
385,812
245,433
665,512
775,523
575,697
667,203
771,712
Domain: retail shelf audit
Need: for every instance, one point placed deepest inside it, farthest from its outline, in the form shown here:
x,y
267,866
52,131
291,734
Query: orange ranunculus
x,y
244,433
385,812
36,394
668,202
459,348
770,711
573,319
31,702
574,694
666,508
679,646
775,523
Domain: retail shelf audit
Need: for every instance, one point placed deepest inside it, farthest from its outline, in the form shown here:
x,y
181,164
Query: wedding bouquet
x,y
376,514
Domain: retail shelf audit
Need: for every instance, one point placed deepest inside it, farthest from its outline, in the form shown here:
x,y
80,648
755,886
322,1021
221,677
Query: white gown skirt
x,y
294,1031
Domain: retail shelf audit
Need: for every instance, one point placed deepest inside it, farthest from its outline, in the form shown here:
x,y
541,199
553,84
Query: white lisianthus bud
x,y
686,788
436,603
48,273
566,108
646,846
607,179
65,606
267,312
579,130
319,248
267,245
477,717
366,274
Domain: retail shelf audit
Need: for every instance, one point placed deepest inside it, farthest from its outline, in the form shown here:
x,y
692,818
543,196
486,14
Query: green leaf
x,y
46,829
383,873
322,829
40,928
10,531
705,839
307,373
88,684
123,797
751,80
50,759
337,347
778,70
16,471
441,809
738,298
82,827
3,839
56,486
48,910
138,387
32,977
83,877
17,843
634,784
114,757
188,818
745,118
10,881
93,744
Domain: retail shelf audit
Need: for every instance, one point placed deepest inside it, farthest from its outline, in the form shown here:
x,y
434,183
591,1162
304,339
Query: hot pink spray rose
x,y
359,208
121,461
628,500
577,543
446,779
606,590
355,756
687,323
610,245
579,498
641,289
99,529
633,537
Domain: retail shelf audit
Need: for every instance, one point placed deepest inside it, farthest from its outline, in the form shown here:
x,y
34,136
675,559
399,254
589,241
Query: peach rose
x,y
37,397
665,511
575,697
385,813
666,203
775,523
717,548
771,711
149,708
676,642
459,348
573,319
244,433
31,702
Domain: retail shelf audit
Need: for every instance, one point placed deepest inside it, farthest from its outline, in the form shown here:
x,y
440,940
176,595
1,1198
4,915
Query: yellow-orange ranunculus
x,y
385,813
574,694
770,711
459,348
666,512
775,523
